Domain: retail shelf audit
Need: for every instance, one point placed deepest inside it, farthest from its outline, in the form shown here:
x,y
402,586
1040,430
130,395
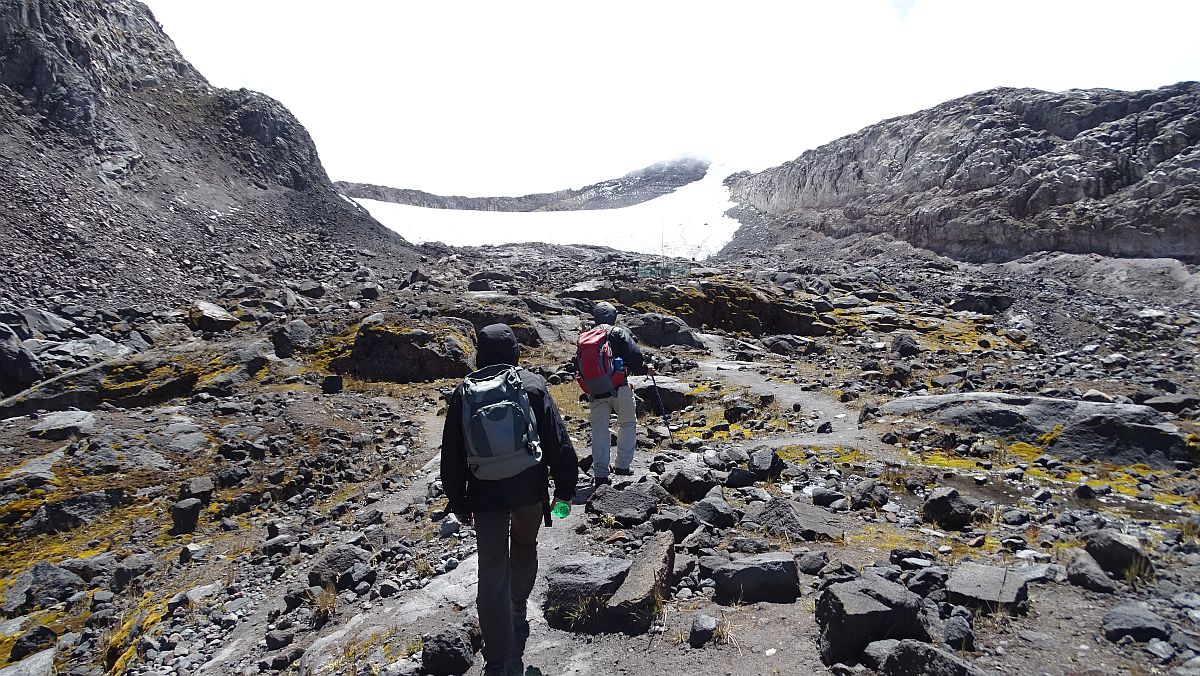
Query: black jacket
x,y
622,344
468,494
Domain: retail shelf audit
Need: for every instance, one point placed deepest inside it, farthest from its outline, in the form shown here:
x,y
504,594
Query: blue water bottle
x,y
619,365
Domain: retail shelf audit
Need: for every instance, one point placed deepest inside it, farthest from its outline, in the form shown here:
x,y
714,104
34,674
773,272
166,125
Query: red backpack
x,y
594,363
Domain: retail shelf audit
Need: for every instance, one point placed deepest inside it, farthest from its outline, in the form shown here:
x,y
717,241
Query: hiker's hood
x,y
604,313
497,345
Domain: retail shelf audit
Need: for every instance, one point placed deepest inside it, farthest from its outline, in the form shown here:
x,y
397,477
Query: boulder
x,y
636,603
38,664
1083,571
448,653
38,638
765,464
629,505
291,338
946,508
577,589
852,614
991,588
210,318
765,577
64,425
72,513
42,324
784,517
19,367
1136,621
713,510
659,330
869,494
1117,553
704,629
688,481
395,349
910,658
185,516
674,394
41,586
335,566
791,345
131,568
200,488
1118,433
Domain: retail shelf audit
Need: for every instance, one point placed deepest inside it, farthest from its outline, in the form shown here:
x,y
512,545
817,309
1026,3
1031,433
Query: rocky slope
x,y
132,178
633,188
1000,174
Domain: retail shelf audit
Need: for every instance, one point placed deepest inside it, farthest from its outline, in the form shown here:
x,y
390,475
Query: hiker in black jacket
x,y
621,402
507,513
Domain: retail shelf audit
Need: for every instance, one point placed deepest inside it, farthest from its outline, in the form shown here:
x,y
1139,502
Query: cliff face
x,y
129,171
635,187
999,174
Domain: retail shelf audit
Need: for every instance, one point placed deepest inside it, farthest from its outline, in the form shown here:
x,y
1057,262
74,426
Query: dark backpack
x,y
498,424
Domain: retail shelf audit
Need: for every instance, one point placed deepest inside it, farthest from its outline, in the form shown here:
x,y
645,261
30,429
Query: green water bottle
x,y
561,509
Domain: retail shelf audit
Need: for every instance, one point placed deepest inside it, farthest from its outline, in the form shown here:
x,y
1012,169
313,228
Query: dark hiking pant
x,y
508,566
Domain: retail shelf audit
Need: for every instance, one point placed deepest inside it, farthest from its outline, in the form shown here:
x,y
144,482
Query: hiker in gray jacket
x,y
620,402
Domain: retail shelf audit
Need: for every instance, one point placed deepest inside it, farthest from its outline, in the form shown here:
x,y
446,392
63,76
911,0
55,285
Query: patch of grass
x,y
423,567
324,605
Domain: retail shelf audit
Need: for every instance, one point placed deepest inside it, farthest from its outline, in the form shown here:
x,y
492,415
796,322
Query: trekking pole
x,y
662,409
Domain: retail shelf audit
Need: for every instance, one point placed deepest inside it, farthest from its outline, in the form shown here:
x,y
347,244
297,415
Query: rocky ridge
x,y
997,175
633,188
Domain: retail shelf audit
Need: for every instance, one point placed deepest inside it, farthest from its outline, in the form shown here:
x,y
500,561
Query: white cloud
x,y
483,97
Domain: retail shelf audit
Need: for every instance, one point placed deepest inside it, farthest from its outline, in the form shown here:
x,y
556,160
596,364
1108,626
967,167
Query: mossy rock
x,y
401,350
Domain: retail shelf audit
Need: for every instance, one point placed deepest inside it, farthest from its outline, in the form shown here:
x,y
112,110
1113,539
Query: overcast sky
x,y
493,98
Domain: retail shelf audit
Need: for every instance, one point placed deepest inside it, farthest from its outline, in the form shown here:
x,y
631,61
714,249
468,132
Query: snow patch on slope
x,y
688,223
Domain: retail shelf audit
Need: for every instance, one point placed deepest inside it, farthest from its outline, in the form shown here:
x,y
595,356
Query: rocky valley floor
x,y
872,460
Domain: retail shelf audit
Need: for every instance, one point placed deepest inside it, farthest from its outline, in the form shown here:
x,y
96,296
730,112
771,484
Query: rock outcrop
x,y
999,174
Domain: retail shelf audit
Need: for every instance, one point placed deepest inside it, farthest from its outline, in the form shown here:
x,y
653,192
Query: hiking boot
x,y
601,481
626,471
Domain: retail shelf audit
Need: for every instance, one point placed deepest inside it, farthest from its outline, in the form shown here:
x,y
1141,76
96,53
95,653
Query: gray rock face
x,y
1120,433
712,509
19,368
856,613
1135,621
38,638
185,515
291,337
991,588
635,187
999,174
765,577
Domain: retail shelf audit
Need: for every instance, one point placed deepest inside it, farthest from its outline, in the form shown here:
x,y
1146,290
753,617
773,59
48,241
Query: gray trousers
x,y
508,566
622,404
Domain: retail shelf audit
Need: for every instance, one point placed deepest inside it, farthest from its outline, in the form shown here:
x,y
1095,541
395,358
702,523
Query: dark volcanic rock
x,y
913,658
1135,621
1083,571
999,174
948,509
991,588
662,330
1120,433
36,639
629,505
578,587
448,653
39,587
398,350
853,614
334,567
1117,553
764,577
632,608
688,481
785,517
